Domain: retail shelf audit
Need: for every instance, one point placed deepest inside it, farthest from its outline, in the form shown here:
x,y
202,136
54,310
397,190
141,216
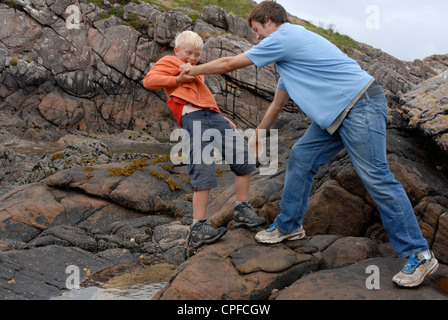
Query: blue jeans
x,y
363,135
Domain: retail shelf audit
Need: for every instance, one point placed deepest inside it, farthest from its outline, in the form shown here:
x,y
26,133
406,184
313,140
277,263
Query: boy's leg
x,y
200,204
243,212
201,231
203,179
235,151
242,186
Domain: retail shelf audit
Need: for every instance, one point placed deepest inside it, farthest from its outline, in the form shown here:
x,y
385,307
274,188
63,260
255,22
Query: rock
x,y
216,16
25,274
349,250
110,45
169,24
440,244
85,63
426,109
61,112
18,32
327,214
252,270
66,236
31,209
67,210
350,283
236,268
119,182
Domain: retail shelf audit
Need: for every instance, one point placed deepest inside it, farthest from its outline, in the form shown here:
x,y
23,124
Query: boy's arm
x,y
219,66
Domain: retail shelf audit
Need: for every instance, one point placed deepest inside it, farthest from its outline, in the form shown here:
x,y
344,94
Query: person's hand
x,y
184,77
186,66
256,145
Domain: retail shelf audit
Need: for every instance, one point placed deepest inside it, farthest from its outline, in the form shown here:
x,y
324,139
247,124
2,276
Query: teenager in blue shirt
x,y
349,110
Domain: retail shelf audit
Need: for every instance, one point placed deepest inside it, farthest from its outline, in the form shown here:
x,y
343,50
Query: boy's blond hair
x,y
189,38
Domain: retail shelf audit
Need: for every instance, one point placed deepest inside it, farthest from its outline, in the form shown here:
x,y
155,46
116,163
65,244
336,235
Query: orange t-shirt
x,y
163,76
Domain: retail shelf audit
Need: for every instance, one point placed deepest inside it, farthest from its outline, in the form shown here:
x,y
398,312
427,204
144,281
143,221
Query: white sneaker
x,y
273,235
415,270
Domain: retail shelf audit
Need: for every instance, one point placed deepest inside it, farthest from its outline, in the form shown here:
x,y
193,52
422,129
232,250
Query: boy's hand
x,y
184,77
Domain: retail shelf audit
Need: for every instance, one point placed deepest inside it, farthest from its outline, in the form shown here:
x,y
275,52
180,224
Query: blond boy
x,y
196,111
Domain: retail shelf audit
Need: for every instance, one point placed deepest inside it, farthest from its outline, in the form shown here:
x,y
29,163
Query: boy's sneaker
x,y
203,233
244,216
273,235
415,270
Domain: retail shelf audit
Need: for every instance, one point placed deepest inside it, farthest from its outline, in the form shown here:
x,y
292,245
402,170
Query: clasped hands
x,y
184,76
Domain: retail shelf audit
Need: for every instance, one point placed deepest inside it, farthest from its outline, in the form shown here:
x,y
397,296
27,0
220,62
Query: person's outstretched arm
x,y
219,66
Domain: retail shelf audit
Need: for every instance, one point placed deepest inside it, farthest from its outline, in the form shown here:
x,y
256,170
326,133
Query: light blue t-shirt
x,y
319,77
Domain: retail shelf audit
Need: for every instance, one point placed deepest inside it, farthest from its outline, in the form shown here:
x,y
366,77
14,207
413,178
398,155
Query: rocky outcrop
x,y
88,77
91,217
426,109
320,267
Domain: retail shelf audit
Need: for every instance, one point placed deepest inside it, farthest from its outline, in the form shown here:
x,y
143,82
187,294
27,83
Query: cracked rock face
x,y
88,78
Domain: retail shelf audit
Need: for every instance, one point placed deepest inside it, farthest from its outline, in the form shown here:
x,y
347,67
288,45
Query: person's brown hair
x,y
268,10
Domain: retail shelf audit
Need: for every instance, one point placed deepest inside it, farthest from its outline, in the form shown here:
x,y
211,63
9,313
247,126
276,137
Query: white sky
x,y
406,29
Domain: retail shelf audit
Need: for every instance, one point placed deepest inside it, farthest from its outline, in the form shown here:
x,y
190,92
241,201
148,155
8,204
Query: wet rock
x,y
66,236
41,273
38,220
29,210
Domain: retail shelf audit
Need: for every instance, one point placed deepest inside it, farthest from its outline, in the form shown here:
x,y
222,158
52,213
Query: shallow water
x,y
133,282
37,149
133,292
40,149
